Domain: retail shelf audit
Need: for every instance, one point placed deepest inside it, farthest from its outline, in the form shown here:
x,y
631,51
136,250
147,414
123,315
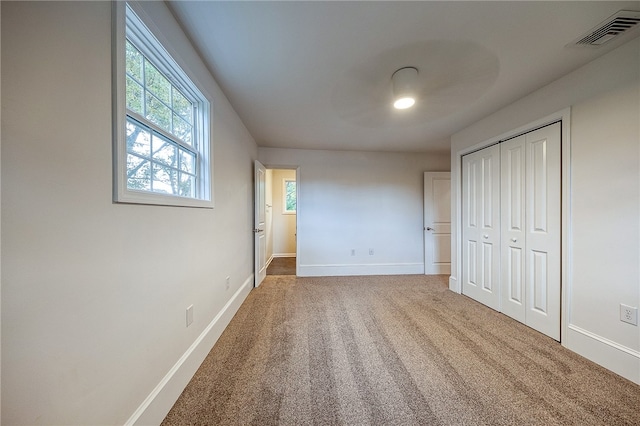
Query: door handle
x,y
429,228
256,230
485,236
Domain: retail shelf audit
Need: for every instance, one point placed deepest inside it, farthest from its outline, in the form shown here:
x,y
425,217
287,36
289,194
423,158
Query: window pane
x,y
290,195
182,106
134,62
187,185
165,179
138,173
187,162
134,96
157,83
182,129
158,113
162,147
164,152
138,139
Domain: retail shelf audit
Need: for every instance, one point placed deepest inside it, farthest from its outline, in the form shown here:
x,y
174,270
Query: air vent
x,y
617,24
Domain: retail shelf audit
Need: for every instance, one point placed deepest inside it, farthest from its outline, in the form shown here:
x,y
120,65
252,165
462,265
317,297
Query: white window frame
x,y
284,196
129,25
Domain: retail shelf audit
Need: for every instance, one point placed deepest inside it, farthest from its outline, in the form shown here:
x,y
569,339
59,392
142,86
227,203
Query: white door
x,y
260,239
437,223
512,191
543,230
481,226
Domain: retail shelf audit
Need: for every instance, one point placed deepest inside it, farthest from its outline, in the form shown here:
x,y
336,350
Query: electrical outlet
x,y
189,315
370,252
353,252
227,283
628,314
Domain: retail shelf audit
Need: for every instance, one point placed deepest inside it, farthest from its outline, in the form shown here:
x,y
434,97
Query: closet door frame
x,y
564,117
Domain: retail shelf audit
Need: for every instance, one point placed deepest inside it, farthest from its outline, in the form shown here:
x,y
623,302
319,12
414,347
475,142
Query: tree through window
x,y
290,196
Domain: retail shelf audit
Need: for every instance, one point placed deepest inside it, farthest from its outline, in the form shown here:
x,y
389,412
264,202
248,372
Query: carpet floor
x,y
392,350
282,266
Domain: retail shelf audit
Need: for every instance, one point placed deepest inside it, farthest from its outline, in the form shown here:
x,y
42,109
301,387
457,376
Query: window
x,y
289,196
162,147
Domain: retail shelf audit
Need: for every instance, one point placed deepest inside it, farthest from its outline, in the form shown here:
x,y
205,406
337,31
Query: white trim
x,y
269,261
605,341
566,237
1,237
158,403
332,270
283,255
609,354
297,236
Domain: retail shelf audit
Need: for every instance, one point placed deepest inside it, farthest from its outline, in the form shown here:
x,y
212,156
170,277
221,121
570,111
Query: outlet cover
x,y
189,315
628,314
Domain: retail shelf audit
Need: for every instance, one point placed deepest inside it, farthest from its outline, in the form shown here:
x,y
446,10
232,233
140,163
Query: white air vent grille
x,y
612,27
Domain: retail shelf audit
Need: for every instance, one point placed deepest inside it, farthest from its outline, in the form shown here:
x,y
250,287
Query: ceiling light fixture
x,y
404,87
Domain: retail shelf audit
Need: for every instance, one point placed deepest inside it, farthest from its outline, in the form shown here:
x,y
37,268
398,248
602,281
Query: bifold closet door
x,y
481,226
511,228
530,229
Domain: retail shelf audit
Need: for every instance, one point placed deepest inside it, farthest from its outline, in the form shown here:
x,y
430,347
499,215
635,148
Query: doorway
x,y
437,223
281,198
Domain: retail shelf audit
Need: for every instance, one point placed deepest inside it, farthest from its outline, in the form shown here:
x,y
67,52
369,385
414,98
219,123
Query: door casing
x,y
298,209
260,207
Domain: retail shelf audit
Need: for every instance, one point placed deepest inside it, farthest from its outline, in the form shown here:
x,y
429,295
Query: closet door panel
x,y
481,229
512,192
543,230
470,232
539,282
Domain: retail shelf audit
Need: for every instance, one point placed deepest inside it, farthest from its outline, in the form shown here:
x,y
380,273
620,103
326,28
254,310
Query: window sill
x,y
156,199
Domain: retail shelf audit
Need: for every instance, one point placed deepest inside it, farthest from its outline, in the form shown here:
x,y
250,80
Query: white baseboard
x,y
157,405
269,261
284,255
611,355
361,269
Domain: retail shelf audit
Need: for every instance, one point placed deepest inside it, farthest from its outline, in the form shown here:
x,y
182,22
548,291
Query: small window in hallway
x,y
290,197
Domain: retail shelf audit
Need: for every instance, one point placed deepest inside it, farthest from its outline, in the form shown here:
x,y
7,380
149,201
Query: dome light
x,y
404,103
404,87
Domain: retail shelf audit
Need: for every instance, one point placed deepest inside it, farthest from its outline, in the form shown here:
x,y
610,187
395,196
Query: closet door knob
x,y
485,236
514,239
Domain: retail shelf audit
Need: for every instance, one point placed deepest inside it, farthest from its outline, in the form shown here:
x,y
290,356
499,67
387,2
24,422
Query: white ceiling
x,y
317,75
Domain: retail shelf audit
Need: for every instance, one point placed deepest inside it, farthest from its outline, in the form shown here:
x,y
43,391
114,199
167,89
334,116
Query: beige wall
x,y
94,293
284,225
359,201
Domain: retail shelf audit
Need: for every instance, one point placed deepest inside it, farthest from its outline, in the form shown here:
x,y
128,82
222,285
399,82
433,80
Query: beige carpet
x,y
392,350
282,266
